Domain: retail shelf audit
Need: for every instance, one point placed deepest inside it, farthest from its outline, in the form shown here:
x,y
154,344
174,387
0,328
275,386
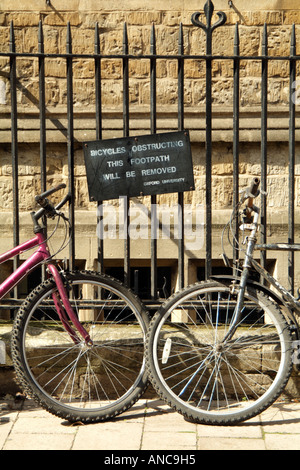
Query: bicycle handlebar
x,y
253,189
42,200
251,192
67,198
47,208
50,191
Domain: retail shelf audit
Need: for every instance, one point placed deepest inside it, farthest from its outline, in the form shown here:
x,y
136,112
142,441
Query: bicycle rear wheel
x,y
73,380
207,378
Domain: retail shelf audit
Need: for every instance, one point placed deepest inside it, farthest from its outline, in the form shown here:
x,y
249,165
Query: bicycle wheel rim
x,y
107,404
222,412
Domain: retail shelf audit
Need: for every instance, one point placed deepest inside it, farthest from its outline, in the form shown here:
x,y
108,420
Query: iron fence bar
x,y
98,92
153,198
42,112
209,28
126,134
14,148
208,144
42,108
70,143
98,100
291,182
236,136
181,79
153,57
181,234
153,80
264,142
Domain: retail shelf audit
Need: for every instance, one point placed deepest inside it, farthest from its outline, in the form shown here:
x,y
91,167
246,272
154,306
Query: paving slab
x,y
149,426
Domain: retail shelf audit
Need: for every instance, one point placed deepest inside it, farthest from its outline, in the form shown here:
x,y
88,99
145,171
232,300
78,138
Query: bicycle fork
x,y
67,311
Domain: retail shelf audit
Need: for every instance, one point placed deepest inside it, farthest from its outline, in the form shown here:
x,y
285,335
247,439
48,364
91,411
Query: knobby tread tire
x,y
23,377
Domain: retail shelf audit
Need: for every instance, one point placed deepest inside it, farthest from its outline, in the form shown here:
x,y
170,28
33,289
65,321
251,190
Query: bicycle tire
x,y
206,380
74,381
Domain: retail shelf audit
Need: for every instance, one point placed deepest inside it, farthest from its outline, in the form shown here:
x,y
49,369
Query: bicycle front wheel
x,y
73,380
204,374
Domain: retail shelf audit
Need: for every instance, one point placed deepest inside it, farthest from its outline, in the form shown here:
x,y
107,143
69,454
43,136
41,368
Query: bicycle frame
x,y
38,257
41,255
287,297
249,262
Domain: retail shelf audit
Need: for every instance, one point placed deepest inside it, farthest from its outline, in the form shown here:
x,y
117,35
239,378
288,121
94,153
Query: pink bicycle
x,y
78,339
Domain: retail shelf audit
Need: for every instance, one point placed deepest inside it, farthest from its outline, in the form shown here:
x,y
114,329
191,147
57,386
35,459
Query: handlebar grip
x,y
67,198
42,196
253,190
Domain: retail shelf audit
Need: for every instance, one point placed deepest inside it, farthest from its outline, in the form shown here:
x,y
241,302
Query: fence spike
x,y
236,40
153,81
12,42
125,39
265,40
69,38
41,37
180,80
180,40
98,84
293,40
153,40
97,39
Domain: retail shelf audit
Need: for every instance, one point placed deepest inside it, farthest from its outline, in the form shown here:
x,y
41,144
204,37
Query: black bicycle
x,y
221,351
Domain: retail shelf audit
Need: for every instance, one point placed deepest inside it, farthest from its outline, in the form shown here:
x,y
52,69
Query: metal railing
x,y
153,57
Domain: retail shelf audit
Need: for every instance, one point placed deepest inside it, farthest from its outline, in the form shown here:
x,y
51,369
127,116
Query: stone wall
x,y
140,16
139,21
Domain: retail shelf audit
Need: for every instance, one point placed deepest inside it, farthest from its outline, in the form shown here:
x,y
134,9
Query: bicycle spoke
x,y
206,374
92,381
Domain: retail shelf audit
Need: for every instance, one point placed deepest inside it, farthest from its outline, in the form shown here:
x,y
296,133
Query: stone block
x,y
57,18
112,42
138,69
22,19
195,69
142,18
84,42
6,194
112,93
291,17
250,41
55,68
26,68
31,40
51,40
279,41
53,92
259,18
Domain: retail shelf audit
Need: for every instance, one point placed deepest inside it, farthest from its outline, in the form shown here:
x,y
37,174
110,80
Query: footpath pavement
x,y
149,425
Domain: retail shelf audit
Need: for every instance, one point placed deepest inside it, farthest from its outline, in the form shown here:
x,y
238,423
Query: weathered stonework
x,y
140,16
